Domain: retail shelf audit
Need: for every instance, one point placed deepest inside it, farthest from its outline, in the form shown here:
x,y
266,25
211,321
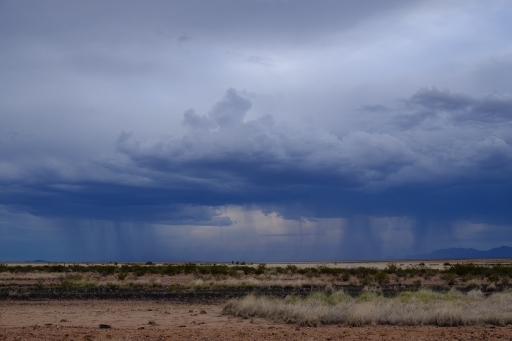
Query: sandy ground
x,y
149,320
434,264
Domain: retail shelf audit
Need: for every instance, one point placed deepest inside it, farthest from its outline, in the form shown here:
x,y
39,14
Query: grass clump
x,y
428,296
422,307
253,283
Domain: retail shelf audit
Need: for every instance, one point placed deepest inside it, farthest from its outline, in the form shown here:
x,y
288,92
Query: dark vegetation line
x,y
492,272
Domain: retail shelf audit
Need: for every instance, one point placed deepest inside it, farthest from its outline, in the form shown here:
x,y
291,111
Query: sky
x,y
253,130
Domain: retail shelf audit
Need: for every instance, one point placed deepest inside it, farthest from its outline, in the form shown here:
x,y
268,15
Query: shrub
x,y
429,273
473,284
112,286
368,280
491,287
493,278
89,284
66,283
416,285
291,268
73,277
449,278
505,281
329,290
39,284
381,277
175,286
391,268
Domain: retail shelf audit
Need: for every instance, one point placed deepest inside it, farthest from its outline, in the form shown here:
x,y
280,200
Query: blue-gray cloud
x,y
224,159
117,115
431,103
261,152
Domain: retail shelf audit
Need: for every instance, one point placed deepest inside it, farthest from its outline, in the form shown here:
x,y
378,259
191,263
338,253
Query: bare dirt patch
x,y
150,320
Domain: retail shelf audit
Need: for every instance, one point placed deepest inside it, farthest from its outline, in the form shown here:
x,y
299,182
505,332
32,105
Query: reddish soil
x,y
152,320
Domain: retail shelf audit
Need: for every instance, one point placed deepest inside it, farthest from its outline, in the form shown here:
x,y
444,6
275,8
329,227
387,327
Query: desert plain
x,y
57,301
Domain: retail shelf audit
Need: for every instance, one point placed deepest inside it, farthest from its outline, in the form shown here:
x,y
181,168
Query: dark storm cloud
x,y
383,173
104,201
430,103
299,171
222,147
96,130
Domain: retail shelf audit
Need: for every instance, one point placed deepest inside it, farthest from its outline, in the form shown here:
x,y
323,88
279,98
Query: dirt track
x,y
159,320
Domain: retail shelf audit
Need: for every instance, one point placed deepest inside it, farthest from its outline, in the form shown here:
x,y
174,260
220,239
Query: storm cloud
x,y
268,130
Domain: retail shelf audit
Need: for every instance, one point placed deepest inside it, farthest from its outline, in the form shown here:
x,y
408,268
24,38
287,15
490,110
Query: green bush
x,y
391,268
416,285
291,269
493,278
367,280
381,277
66,283
505,281
112,286
175,286
39,284
449,278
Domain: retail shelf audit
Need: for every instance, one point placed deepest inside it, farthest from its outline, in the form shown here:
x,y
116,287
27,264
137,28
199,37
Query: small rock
x,y
153,323
104,326
64,320
202,312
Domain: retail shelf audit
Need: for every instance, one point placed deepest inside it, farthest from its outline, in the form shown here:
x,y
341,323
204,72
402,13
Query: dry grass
x,y
87,282
423,307
30,276
255,283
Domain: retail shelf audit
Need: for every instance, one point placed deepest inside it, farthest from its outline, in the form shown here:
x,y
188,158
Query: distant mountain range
x,y
458,253
37,261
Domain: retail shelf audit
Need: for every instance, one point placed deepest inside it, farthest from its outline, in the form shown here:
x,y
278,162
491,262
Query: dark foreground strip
x,y
31,292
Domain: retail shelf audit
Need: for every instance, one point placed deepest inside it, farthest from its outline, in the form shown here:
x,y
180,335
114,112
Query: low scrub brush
x,y
422,307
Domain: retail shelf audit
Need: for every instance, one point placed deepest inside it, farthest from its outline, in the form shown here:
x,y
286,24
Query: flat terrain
x,y
185,301
431,263
153,320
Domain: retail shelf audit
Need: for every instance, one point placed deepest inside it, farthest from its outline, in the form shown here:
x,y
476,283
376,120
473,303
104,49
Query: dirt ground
x,y
153,320
431,263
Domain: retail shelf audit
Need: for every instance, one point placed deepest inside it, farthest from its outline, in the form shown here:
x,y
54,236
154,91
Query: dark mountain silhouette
x,y
454,253
37,261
